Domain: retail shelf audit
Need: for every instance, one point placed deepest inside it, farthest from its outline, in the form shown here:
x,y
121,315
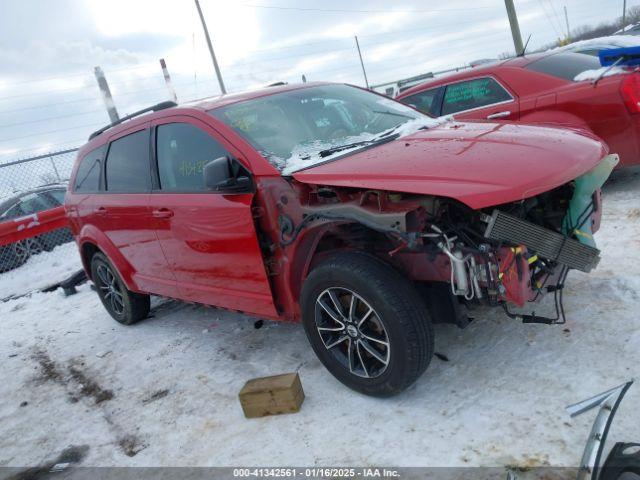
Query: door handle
x,y
506,113
162,213
100,211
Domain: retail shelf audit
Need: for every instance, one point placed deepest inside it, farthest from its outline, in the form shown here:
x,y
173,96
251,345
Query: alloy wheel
x,y
110,289
26,248
353,332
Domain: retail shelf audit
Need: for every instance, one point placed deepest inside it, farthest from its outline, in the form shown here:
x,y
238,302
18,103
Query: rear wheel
x,y
123,305
366,324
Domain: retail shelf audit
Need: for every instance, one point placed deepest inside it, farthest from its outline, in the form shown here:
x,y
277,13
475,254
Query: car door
x,y
121,211
36,203
483,98
209,239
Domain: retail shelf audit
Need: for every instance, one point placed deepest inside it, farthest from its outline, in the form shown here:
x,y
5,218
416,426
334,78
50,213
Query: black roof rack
x,y
154,108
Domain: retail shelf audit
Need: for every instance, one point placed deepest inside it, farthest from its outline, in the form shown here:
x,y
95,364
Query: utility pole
x,y
364,72
106,95
213,55
515,28
624,12
566,19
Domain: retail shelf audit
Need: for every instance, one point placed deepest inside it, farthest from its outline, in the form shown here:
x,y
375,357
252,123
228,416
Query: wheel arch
x,y
91,241
328,239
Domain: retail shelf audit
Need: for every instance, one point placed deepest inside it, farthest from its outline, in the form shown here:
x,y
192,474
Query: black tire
x,y
123,305
397,316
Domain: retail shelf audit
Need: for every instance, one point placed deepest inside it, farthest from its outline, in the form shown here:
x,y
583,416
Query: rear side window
x,y
564,65
88,176
57,195
424,101
34,203
470,94
127,168
183,150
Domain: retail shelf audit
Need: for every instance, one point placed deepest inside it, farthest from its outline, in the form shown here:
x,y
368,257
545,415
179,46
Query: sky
x,y
49,99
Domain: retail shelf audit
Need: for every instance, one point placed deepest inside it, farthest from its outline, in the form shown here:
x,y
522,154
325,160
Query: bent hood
x,y
480,164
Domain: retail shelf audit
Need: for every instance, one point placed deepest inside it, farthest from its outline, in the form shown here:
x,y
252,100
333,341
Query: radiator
x,y
543,242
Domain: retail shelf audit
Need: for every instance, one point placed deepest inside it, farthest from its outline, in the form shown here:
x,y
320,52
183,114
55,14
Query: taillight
x,y
630,91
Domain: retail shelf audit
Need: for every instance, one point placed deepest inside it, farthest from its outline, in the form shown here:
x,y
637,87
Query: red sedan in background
x,y
542,89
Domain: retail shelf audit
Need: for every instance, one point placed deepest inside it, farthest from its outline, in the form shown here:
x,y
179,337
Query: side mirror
x,y
226,176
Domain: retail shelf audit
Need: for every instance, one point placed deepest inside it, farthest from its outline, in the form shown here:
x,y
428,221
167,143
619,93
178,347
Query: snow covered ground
x,y
41,271
164,392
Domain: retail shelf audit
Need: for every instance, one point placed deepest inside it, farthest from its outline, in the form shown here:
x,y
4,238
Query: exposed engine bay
x,y
512,253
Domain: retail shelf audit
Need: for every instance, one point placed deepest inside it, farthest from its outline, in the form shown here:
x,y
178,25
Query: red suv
x,y
338,207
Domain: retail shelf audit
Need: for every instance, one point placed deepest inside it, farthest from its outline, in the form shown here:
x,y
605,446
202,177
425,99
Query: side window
x,y
34,203
13,212
88,176
127,168
424,101
470,94
565,65
57,196
182,151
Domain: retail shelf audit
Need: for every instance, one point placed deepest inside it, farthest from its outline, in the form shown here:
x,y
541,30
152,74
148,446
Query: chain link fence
x,y
36,247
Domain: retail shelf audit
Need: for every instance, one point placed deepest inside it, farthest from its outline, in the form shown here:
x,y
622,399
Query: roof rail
x,y
154,108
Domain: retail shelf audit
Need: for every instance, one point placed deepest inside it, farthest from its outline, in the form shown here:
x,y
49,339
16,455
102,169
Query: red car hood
x,y
480,164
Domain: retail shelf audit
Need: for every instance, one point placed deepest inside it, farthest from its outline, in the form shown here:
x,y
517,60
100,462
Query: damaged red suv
x,y
335,206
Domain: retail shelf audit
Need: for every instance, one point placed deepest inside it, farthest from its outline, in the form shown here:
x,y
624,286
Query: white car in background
x,y
594,45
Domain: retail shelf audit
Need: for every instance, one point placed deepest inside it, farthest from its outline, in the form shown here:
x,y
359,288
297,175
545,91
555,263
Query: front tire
x,y
366,324
123,305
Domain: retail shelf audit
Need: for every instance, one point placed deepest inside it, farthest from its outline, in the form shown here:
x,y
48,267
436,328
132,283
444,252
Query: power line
x,y
22,150
51,131
49,118
340,10
544,9
555,13
78,74
66,102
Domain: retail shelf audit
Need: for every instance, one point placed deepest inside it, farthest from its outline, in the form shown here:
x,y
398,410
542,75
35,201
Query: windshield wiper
x,y
387,112
364,143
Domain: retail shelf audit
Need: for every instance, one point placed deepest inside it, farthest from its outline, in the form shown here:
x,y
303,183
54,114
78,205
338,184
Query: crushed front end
x,y
517,252
507,254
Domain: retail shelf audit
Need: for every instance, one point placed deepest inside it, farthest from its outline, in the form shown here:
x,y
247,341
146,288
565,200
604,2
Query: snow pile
x,y
41,271
614,41
626,28
599,73
307,155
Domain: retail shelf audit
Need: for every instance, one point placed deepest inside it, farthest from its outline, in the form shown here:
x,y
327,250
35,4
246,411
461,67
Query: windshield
x,y
300,128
